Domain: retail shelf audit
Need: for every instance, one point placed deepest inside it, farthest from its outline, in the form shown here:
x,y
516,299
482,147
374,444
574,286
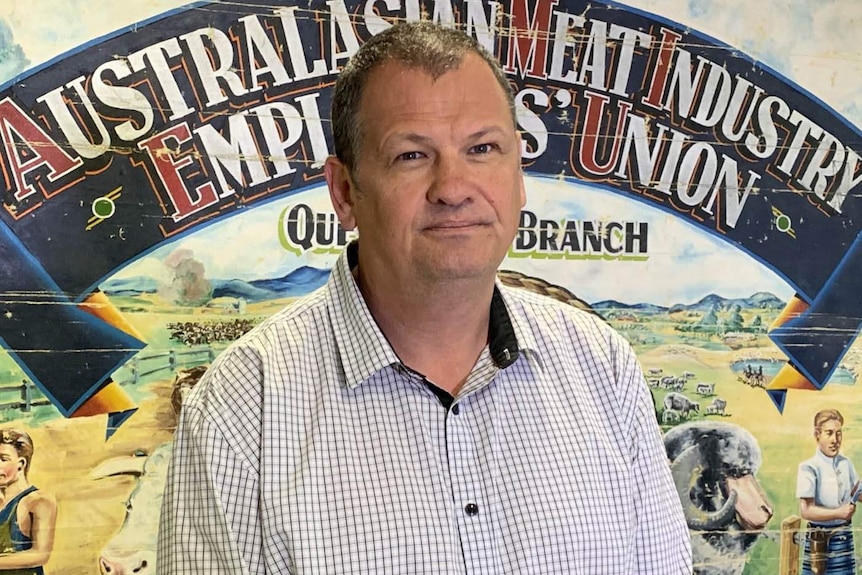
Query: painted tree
x,y
734,320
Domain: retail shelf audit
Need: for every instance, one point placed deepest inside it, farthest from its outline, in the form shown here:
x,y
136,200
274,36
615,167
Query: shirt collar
x,y
362,347
510,317
364,350
833,461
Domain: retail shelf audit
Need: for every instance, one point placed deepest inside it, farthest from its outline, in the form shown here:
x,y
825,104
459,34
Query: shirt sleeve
x,y
806,482
209,520
662,544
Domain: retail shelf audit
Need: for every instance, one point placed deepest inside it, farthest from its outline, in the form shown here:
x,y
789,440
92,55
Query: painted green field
x,y
785,439
668,342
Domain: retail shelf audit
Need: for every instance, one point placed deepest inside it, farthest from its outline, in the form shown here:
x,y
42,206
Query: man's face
x,y
829,438
437,188
11,464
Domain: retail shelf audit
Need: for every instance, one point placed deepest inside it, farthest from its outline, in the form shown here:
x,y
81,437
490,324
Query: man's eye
x,y
482,148
409,156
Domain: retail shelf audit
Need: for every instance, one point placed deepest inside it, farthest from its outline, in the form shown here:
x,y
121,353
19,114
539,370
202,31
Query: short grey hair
x,y
421,45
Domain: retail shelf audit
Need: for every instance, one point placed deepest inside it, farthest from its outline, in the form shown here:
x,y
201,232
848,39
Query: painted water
x,y
770,367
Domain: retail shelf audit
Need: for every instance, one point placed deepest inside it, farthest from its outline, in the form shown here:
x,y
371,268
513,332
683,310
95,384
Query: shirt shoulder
x,y
808,468
541,321
806,479
231,390
575,346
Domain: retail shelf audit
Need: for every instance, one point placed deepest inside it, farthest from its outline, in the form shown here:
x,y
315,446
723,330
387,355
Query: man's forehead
x,y
831,425
392,70
395,86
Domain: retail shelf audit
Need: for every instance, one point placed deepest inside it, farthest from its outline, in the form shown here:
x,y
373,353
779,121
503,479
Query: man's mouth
x,y
453,226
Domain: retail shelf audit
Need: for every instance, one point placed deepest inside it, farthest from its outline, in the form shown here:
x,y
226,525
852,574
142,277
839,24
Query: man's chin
x,y
461,270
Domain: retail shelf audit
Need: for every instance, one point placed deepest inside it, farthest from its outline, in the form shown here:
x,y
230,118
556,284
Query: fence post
x,y
26,395
788,550
211,353
172,359
134,369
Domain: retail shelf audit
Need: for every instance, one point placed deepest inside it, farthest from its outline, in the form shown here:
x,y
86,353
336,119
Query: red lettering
x,y
168,165
28,148
528,38
591,134
661,70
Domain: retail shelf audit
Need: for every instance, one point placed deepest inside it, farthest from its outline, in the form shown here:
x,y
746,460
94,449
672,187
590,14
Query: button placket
x,y
474,518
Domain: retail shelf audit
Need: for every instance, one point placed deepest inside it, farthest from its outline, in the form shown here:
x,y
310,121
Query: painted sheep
x,y
714,466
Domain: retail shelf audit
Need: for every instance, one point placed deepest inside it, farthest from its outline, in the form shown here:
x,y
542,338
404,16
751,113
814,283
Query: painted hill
x,y
613,305
130,286
241,290
759,300
297,283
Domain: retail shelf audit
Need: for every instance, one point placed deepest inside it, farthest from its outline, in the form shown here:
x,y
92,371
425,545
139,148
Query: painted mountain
x,y
610,305
297,283
130,286
759,300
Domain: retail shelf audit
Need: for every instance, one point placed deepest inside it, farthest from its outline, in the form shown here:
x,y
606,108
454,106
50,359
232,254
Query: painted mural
x,y
693,173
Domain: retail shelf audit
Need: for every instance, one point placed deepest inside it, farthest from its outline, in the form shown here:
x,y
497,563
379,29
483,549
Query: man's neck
x,y
9,491
438,330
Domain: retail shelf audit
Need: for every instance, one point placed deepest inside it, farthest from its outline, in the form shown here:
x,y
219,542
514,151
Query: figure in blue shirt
x,y
825,488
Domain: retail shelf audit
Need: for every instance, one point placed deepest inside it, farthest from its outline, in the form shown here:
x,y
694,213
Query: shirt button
x,y
471,509
456,409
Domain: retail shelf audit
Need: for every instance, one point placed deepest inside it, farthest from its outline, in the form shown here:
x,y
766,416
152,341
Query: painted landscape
x,y
714,352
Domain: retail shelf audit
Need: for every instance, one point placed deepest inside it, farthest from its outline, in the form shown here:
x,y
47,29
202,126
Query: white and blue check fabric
x,y
308,448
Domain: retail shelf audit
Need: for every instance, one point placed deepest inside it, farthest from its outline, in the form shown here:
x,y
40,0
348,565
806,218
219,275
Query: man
x,y
27,515
415,416
825,486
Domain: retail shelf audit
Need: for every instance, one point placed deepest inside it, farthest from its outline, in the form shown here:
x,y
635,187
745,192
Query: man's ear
x,y
341,191
523,190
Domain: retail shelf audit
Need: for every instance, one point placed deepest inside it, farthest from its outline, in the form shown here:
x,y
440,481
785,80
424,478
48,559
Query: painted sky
x,y
700,263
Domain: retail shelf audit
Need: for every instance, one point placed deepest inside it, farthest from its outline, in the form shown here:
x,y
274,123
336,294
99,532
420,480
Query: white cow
x,y
671,416
716,407
668,381
132,550
705,388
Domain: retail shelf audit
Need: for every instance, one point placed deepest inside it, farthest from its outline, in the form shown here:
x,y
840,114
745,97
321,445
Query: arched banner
x,y
207,112
163,192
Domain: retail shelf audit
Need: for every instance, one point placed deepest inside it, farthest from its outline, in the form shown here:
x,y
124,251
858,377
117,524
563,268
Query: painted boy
x,y
824,486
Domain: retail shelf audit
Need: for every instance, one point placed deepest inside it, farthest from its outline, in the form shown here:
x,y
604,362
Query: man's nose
x,y
452,182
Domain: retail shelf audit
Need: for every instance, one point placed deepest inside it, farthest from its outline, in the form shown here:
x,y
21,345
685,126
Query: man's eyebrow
x,y
410,137
399,139
417,138
487,131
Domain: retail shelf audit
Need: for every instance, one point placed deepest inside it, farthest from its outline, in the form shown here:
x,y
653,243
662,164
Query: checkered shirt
x,y
308,448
